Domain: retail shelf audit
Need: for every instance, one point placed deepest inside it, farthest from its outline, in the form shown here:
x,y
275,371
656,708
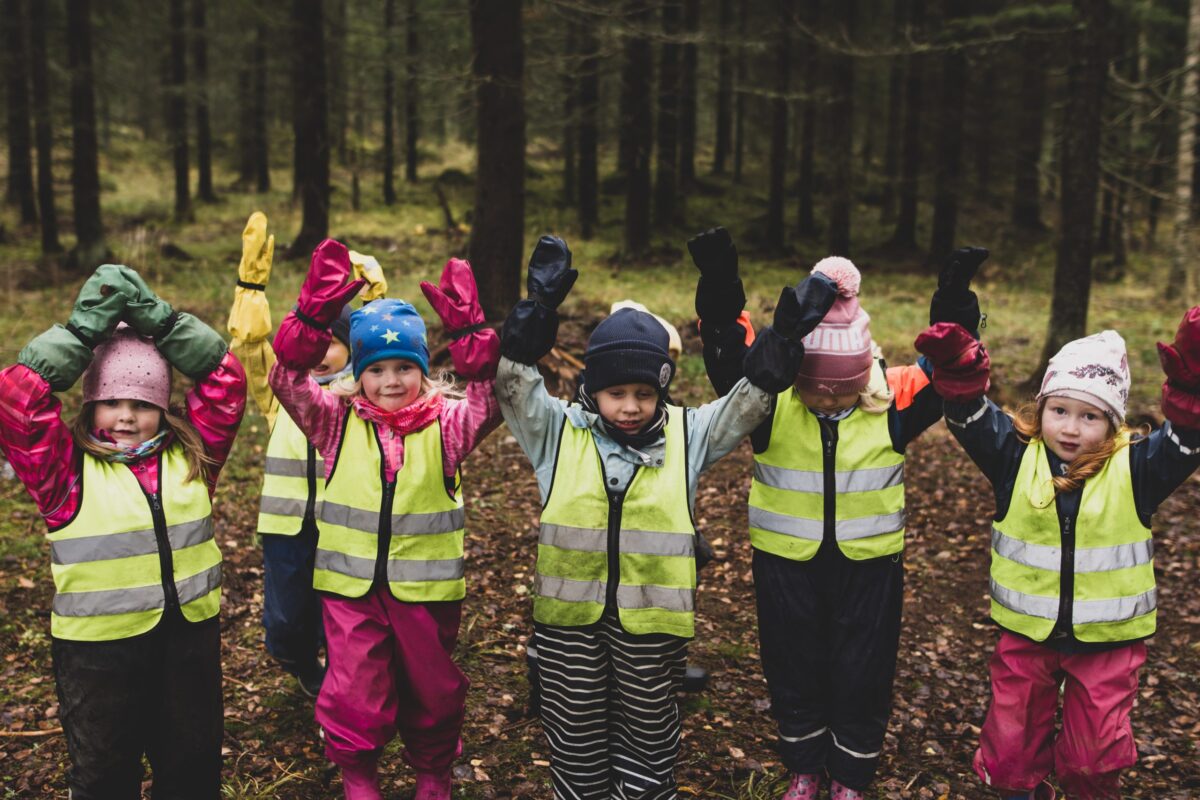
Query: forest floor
x,y
941,692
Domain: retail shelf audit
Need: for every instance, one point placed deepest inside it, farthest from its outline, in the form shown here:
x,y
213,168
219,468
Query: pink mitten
x,y
325,290
961,366
475,349
1181,363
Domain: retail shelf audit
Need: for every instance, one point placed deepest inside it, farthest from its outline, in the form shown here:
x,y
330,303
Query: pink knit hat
x,y
128,366
837,354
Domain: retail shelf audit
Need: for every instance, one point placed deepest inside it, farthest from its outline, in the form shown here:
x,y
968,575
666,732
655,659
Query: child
x,y
294,476
615,581
827,513
389,559
125,490
1072,575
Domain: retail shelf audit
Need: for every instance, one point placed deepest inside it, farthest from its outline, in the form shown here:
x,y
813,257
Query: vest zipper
x,y
1066,601
385,533
166,562
616,502
310,508
829,438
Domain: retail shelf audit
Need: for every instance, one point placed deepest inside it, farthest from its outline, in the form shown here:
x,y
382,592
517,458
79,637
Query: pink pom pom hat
x,y
128,366
837,354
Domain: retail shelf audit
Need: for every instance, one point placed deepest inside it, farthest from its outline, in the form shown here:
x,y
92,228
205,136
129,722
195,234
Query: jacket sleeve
x,y
37,443
318,413
534,417
1161,463
916,406
215,406
257,359
725,347
988,436
466,422
714,429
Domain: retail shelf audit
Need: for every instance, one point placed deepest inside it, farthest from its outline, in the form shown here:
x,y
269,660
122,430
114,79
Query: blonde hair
x,y
173,419
877,396
442,383
1028,424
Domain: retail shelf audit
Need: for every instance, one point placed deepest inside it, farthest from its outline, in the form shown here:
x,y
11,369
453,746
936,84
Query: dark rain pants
x,y
291,606
157,694
829,630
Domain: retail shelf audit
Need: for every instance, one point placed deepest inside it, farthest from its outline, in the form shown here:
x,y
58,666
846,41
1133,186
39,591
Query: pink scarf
x,y
413,417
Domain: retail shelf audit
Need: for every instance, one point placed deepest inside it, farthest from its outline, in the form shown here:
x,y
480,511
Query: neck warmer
x,y
646,436
836,415
413,417
128,455
325,380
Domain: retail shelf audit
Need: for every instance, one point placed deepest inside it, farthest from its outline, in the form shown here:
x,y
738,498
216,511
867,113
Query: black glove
x,y
772,361
801,309
550,273
954,301
529,332
715,256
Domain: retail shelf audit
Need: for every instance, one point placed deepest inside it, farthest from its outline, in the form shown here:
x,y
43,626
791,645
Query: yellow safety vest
x,y
1114,596
787,495
293,480
420,521
108,560
656,592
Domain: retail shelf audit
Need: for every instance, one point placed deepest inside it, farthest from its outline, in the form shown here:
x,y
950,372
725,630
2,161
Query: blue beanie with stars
x,y
387,328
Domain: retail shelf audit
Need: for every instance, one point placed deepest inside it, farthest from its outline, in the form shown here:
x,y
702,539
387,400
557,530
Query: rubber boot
x,y
433,786
361,781
839,792
803,787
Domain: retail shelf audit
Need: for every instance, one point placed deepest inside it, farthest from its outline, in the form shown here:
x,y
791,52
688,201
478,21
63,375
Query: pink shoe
x,y
839,792
433,786
803,787
361,782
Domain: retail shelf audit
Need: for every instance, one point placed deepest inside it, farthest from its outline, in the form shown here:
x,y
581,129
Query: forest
x,y
1061,136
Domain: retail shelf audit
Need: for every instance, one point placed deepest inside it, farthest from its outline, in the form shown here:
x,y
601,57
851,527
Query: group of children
x,y
362,521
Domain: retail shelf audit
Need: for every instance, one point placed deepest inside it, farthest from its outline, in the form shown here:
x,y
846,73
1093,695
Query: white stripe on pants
x,y
609,710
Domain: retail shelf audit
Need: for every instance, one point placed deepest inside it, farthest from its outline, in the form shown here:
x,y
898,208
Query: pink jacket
x,y
37,442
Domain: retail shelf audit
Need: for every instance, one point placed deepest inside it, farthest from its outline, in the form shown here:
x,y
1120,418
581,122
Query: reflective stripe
x,y
848,751
1029,604
567,537
448,569
282,506
650,596
1087,559
141,598
863,527
292,467
402,524
1115,610
567,590
811,529
813,482
803,738
126,545
341,563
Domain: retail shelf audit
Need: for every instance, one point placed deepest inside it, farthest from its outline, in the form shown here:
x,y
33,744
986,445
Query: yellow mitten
x,y
250,317
367,268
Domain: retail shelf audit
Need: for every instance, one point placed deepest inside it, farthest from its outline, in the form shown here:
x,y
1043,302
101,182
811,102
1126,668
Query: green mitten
x,y
100,304
192,347
145,311
58,356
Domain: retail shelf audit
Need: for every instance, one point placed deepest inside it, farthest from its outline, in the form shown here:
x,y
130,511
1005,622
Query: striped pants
x,y
609,710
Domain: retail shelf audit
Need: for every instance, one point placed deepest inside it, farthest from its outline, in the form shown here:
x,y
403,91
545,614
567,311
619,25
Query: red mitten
x,y
961,366
325,290
1181,363
475,349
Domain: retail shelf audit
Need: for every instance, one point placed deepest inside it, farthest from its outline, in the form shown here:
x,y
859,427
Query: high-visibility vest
x,y
656,590
1114,596
787,494
109,560
293,480
416,516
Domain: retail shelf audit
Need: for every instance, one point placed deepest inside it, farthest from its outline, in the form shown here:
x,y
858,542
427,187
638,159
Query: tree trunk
x,y
589,104
412,52
204,187
177,109
497,248
1031,120
245,132
687,101
1087,74
806,224
336,78
667,176
841,135
984,103
389,102
905,235
310,125
20,156
1104,236
724,89
262,162
777,166
947,176
1181,281
570,121
90,249
43,133
638,76
891,147
739,103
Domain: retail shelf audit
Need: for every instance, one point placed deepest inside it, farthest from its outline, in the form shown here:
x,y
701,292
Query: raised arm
x,y
720,302
250,316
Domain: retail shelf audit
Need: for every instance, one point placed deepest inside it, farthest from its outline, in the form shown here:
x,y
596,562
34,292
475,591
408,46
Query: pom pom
x,y
842,272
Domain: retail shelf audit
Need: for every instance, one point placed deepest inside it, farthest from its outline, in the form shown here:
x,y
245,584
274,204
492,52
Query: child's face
x,y
827,403
1072,427
392,383
629,406
128,422
335,360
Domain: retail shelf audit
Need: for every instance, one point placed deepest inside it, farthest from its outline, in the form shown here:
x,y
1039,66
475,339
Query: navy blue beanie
x,y
341,326
628,347
387,328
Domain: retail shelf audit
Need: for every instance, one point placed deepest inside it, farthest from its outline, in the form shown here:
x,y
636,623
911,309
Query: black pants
x,y
291,606
829,629
158,694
